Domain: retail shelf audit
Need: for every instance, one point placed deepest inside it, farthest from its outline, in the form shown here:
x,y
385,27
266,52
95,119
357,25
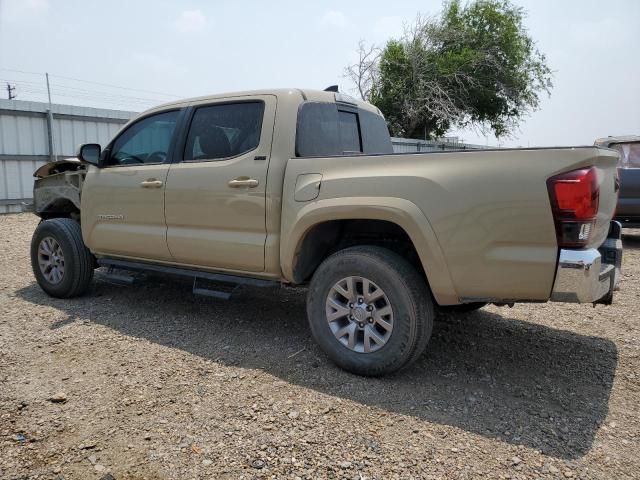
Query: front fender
x,y
403,213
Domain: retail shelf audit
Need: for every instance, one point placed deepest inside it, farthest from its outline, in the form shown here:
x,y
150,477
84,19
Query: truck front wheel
x,y
369,310
61,263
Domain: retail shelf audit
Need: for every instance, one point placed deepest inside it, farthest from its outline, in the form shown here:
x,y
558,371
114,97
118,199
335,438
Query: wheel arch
x,y
60,208
315,229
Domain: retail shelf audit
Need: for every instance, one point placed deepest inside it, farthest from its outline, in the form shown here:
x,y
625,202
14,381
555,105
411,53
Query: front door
x,y
215,194
123,202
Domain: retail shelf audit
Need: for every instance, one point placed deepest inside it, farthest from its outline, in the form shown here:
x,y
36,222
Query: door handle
x,y
151,183
243,182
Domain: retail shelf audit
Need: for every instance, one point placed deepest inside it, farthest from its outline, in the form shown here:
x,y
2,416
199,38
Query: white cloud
x,y
191,21
334,18
153,62
389,27
18,10
36,4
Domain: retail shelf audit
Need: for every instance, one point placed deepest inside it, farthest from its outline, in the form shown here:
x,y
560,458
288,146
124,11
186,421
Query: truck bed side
x,y
480,221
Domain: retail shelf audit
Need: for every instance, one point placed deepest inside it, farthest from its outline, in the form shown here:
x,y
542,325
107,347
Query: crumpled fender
x,y
57,187
59,166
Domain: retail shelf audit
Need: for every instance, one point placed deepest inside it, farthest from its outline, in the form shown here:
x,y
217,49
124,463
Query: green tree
x,y
473,65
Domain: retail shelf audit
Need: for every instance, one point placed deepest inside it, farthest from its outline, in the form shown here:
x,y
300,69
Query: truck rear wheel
x,y
369,310
62,264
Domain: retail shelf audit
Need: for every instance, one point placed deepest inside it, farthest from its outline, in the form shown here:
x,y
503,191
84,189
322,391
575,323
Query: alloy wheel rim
x,y
51,260
359,314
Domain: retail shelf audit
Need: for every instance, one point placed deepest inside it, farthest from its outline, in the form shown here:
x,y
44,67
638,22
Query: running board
x,y
119,278
222,285
222,291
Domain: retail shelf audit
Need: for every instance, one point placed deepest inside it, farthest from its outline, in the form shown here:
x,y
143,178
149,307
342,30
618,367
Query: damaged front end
x,y
57,188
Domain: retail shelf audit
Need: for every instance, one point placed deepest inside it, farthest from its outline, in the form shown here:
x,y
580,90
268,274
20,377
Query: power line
x,y
90,96
67,91
116,86
95,98
42,74
32,84
20,71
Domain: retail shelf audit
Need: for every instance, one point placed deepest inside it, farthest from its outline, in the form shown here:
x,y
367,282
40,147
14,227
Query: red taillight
x,y
574,199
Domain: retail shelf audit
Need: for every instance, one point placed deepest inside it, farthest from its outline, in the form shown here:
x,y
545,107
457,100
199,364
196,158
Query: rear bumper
x,y
590,276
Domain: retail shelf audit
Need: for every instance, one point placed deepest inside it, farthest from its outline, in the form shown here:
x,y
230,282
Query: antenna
x,y
332,88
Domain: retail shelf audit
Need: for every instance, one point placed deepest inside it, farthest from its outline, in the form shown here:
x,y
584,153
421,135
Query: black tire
x,y
462,308
408,296
78,260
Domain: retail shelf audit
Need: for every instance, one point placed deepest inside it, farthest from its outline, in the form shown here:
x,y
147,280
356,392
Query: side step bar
x,y
220,290
120,278
220,285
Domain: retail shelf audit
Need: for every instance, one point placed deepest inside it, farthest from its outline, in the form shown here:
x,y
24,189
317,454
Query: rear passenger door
x,y
215,194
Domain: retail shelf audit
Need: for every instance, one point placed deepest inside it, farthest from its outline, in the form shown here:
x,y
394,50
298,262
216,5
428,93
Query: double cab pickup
x,y
302,187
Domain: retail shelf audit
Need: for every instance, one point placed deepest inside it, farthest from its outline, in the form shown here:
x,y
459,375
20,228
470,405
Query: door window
x,y
223,131
146,141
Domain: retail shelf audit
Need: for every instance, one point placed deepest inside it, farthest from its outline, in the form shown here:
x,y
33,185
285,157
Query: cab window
x,y
223,131
328,129
146,141
349,132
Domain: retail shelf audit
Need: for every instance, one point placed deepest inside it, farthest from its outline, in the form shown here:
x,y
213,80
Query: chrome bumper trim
x,y
582,277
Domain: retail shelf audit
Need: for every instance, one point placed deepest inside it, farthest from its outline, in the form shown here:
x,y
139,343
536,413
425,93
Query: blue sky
x,y
173,49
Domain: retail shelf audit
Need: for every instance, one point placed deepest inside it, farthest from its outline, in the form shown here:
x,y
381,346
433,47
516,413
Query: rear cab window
x,y
349,132
329,129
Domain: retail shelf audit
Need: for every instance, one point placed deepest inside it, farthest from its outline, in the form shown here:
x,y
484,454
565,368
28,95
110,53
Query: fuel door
x,y
307,187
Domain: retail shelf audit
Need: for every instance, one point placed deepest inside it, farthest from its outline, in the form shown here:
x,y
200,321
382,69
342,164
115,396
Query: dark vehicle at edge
x,y
628,208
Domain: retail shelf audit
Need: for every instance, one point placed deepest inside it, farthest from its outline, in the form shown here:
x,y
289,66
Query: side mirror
x,y
90,153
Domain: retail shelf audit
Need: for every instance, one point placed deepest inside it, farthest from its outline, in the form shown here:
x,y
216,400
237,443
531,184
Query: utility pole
x,y
52,145
10,90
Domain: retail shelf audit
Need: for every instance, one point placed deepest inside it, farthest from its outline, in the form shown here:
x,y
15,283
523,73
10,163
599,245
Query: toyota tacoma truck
x,y
301,187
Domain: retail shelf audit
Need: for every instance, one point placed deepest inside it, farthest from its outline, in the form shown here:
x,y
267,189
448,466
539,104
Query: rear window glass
x,y
375,134
326,130
629,154
349,132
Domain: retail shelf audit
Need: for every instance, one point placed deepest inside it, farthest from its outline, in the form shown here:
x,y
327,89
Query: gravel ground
x,y
150,382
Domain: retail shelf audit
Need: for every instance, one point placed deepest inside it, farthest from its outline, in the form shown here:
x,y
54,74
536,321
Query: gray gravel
x,y
149,381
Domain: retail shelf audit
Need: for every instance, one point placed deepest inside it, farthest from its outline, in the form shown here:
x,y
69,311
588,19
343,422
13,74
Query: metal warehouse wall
x,y
24,141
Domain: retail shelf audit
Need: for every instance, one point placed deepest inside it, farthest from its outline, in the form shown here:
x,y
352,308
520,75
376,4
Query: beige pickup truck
x,y
301,187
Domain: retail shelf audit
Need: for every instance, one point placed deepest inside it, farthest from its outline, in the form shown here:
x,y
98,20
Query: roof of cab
x,y
300,94
606,141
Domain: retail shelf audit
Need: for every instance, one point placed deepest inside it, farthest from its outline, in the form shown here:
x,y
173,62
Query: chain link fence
x,y
410,145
